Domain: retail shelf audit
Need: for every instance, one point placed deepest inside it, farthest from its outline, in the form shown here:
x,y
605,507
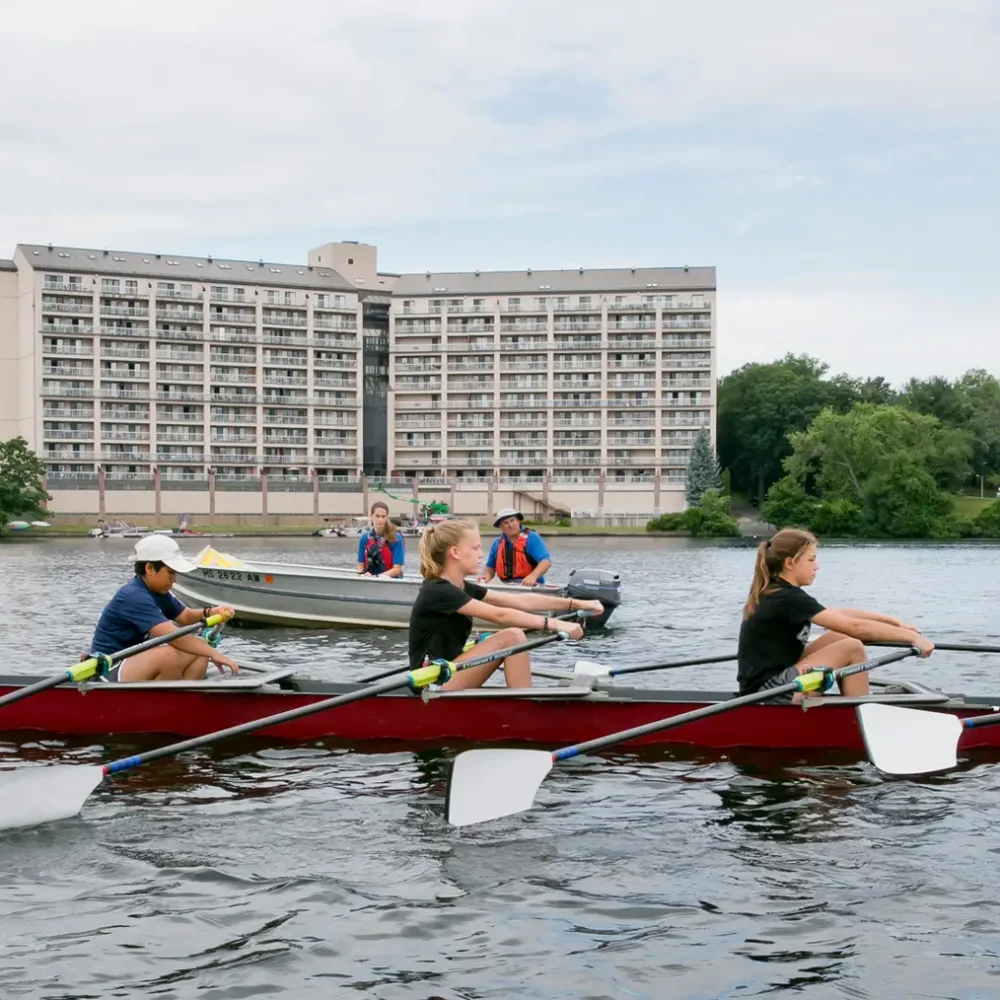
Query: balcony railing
x,y
66,330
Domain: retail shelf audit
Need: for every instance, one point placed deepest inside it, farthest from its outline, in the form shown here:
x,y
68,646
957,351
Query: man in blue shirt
x,y
144,608
519,555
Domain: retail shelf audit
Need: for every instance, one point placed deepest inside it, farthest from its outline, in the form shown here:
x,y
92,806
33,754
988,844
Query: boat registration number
x,y
231,574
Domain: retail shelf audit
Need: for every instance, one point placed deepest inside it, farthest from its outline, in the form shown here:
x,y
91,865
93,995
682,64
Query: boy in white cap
x,y
519,555
145,607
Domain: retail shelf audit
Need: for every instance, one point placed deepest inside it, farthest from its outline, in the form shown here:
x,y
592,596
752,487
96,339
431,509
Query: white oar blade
x,y
907,741
30,796
488,784
590,668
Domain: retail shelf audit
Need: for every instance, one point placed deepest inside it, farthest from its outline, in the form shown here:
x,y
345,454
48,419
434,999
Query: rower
x,y
519,555
441,618
145,607
380,548
774,645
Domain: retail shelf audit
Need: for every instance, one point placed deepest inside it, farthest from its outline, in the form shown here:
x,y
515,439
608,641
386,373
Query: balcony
x,y
70,371
228,417
114,291
223,437
688,383
138,332
183,437
179,293
403,367
524,326
61,434
114,434
299,419
292,340
343,364
577,344
639,440
699,342
173,354
565,364
181,395
67,288
415,385
564,421
337,343
634,363
70,413
631,382
113,392
242,317
283,358
272,379
232,358
464,441
519,421
232,336
120,351
470,385
331,457
135,312
233,397
340,420
69,455
71,308
67,330
232,377
322,323
125,454
280,321
137,373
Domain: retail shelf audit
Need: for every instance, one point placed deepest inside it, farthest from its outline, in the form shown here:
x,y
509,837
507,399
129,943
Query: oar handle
x,y
811,681
101,663
977,722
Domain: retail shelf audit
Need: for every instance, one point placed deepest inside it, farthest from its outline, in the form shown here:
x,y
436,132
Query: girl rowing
x,y
380,548
774,645
441,619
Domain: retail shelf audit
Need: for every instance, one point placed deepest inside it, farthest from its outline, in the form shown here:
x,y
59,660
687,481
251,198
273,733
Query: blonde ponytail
x,y
789,543
435,542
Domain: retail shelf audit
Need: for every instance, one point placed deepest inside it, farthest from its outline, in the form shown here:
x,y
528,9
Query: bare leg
x,y
835,650
164,663
517,668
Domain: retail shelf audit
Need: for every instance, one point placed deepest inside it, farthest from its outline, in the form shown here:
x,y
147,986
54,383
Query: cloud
x,y
860,328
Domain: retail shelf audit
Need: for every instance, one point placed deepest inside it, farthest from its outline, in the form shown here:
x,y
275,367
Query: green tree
x,y
708,518
703,469
874,470
21,475
761,404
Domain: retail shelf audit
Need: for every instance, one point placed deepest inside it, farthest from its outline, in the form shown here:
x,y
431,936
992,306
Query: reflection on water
x,y
258,869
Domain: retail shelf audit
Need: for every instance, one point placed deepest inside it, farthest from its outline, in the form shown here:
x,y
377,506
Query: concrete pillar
x,y
101,506
263,492
600,492
451,502
211,496
656,491
315,479
489,496
364,494
156,494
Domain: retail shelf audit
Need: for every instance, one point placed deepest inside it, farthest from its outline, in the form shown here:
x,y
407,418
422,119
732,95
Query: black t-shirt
x,y
437,630
775,635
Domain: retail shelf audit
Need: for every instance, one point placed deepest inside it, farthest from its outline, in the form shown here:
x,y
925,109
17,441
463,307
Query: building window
x,y
289,298
513,305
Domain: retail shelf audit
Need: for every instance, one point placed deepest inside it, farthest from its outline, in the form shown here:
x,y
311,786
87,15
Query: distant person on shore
x,y
774,645
519,555
380,547
442,614
145,607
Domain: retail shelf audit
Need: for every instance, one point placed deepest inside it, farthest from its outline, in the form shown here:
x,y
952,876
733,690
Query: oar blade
x,y
489,784
30,796
906,741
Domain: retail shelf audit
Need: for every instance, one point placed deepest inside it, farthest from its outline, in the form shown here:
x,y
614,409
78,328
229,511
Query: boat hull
x,y
295,596
133,710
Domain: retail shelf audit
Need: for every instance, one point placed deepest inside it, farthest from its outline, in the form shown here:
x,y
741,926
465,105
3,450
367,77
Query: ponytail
x,y
435,542
789,543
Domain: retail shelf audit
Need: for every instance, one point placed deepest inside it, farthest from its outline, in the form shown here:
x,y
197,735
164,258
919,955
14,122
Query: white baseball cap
x,y
162,548
504,513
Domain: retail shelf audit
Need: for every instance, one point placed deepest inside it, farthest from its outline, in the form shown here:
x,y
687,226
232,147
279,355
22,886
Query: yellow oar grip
x,y
214,619
423,676
812,681
84,670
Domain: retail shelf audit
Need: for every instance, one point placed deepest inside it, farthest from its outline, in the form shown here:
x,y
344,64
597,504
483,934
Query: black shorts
x,y
779,679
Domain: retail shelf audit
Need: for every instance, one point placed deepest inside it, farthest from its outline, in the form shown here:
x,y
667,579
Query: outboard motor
x,y
596,584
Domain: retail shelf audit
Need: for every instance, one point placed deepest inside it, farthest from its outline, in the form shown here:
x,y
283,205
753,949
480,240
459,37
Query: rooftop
x,y
576,280
128,263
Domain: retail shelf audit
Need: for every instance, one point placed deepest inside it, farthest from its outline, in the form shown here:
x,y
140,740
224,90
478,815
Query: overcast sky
x,y
839,163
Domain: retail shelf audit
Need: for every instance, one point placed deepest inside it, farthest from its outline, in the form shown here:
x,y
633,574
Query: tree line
x,y
854,457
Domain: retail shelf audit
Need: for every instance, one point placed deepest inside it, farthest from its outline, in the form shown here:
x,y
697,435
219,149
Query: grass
x,y
970,506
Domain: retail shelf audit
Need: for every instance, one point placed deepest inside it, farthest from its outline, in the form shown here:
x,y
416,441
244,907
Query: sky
x,y
838,163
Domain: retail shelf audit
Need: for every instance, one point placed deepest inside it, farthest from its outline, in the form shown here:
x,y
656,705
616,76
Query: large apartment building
x,y
145,371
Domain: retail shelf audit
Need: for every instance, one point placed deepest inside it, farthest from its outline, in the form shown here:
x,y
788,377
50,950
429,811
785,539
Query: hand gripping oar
x,y
497,655
488,784
33,795
904,741
97,666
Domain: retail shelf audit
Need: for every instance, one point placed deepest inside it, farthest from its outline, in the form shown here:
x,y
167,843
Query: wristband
x,y
206,613
545,624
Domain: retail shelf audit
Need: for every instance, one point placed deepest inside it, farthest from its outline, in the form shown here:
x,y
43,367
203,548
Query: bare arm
x,y
872,616
393,571
531,602
866,629
190,644
514,617
540,570
488,574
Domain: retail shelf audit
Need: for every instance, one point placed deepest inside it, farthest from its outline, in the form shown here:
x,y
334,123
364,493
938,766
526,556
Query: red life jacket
x,y
513,561
378,555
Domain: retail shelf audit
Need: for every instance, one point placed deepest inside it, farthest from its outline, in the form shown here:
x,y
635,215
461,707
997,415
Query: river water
x,y
264,870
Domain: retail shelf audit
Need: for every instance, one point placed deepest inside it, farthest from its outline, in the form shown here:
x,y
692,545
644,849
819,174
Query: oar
x,y
30,796
905,741
587,667
97,666
488,784
498,655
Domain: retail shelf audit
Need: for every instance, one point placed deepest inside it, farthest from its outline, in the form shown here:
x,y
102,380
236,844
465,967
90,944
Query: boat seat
x,y
578,687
